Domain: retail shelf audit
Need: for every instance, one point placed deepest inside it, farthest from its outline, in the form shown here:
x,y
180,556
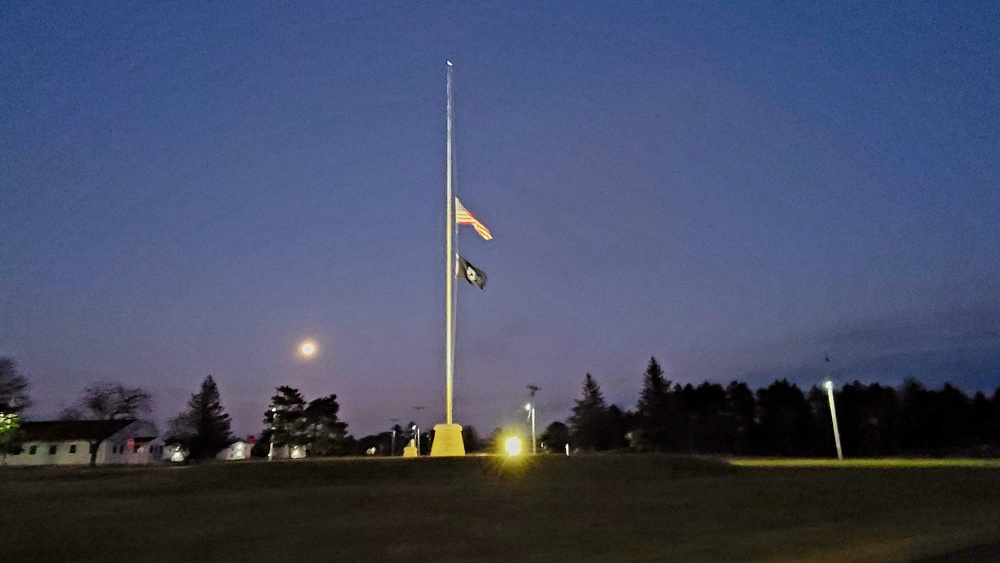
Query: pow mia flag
x,y
472,274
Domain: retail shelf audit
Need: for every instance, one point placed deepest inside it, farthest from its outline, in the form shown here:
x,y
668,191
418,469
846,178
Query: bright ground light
x,y
513,445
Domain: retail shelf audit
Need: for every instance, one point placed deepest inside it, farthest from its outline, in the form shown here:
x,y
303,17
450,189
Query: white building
x,y
67,442
286,452
239,449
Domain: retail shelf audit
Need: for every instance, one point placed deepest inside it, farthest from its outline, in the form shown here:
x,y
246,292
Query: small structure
x,y
175,452
240,449
286,451
67,442
410,450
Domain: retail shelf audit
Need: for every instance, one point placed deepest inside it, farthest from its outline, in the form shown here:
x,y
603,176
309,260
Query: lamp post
x,y
274,424
415,427
530,407
531,415
392,445
833,414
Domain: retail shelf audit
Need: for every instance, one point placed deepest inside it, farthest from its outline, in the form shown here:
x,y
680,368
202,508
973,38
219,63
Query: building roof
x,y
62,430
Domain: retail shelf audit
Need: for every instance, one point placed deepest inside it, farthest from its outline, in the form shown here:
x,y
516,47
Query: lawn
x,y
582,508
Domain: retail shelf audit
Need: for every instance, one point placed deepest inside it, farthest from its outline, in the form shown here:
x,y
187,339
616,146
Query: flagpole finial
x,y
449,63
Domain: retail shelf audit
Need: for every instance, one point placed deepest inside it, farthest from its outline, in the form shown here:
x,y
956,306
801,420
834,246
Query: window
x,y
32,450
72,448
52,449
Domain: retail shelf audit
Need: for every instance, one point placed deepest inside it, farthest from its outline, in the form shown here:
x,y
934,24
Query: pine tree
x,y
741,415
786,420
326,432
204,426
589,423
286,417
657,416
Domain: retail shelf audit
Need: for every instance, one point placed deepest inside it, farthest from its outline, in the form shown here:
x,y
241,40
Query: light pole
x,y
417,429
274,424
530,407
833,414
392,445
531,415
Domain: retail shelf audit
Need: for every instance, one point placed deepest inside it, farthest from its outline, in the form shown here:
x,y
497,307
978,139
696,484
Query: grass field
x,y
583,508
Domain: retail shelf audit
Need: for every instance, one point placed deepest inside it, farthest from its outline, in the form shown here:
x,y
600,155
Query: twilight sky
x,y
738,191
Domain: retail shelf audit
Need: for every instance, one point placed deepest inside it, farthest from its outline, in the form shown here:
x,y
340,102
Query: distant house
x,y
287,452
67,442
239,449
175,451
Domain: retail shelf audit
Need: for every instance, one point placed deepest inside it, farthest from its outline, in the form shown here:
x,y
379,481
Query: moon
x,y
308,348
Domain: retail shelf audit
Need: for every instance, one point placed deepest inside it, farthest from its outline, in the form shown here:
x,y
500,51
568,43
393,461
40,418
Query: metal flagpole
x,y
449,266
448,437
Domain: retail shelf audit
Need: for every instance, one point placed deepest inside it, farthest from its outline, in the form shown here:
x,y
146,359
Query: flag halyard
x,y
463,217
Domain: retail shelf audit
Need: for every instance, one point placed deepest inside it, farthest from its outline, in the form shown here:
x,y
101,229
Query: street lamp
x,y
531,414
530,407
415,427
392,445
833,414
274,420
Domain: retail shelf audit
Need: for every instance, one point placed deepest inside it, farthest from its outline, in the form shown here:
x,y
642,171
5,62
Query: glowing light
x,y
527,407
308,348
513,445
828,385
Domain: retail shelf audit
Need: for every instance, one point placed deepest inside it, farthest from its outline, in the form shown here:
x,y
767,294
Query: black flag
x,y
472,274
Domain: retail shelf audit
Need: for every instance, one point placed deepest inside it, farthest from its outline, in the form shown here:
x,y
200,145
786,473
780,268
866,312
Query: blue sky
x,y
738,191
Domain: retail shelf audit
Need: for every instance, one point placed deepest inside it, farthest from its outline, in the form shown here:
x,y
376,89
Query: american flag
x,y
463,217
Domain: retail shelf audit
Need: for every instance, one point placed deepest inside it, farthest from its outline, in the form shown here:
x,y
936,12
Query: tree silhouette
x,y
471,439
204,426
13,388
555,437
286,417
326,432
741,418
656,412
13,399
786,419
109,401
589,423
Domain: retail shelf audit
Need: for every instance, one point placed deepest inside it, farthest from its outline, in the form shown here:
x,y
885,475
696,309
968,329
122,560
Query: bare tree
x,y
13,388
109,401
13,399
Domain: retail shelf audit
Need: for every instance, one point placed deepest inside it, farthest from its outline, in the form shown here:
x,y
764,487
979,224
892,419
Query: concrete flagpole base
x,y
447,441
410,450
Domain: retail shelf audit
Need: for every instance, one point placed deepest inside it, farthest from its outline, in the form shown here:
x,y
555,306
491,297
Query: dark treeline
x,y
783,420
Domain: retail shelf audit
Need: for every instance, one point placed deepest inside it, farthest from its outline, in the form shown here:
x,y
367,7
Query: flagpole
x,y
449,264
448,437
